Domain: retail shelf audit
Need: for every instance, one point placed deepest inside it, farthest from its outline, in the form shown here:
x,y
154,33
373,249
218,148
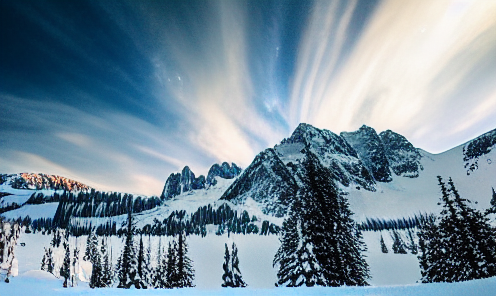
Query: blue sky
x,y
119,94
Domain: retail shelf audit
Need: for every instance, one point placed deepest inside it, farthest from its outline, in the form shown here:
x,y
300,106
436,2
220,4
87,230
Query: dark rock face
x,y
403,158
224,171
186,181
172,186
267,181
333,152
476,148
182,182
371,151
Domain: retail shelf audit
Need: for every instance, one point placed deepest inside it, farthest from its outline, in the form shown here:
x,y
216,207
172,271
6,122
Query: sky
x,y
120,94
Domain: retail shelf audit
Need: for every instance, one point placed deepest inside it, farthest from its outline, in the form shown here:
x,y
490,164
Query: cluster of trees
x,y
460,244
174,269
380,224
99,204
399,246
223,217
320,242
10,207
64,270
232,275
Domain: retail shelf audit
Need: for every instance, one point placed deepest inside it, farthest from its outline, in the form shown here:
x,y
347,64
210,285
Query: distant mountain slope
x,y
42,181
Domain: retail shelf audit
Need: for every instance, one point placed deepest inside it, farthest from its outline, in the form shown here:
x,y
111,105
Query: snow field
x,y
42,283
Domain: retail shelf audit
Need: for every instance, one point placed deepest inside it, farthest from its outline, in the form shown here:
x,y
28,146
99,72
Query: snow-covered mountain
x,y
383,174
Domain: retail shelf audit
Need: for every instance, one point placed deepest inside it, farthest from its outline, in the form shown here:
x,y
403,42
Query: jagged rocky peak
x,y
316,138
371,151
332,150
403,157
476,148
178,183
224,171
185,181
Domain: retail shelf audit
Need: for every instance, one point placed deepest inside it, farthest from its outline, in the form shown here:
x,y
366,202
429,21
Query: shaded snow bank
x,y
34,283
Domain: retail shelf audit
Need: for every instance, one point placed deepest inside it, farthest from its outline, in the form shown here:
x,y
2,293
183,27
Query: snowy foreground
x,y
42,283
392,274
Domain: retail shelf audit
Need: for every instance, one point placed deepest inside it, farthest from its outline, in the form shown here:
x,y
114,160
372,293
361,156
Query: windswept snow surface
x,y
46,210
42,283
405,197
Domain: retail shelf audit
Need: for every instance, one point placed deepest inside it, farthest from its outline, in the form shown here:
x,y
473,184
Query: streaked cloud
x,y
406,71
138,90
215,89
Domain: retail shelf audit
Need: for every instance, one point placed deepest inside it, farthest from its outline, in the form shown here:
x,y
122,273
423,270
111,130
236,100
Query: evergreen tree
x,y
460,246
128,275
493,200
160,275
65,270
75,260
49,260
96,269
293,256
185,271
492,208
412,246
107,272
91,247
147,268
227,277
320,242
171,266
238,281
141,263
384,249
43,260
398,244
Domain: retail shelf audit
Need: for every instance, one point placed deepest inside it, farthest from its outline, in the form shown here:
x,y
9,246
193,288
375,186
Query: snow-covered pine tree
x,y
238,281
148,268
141,264
185,271
412,246
160,274
128,275
96,269
49,260
91,247
75,264
293,256
43,260
227,277
492,208
461,246
320,243
171,271
384,249
398,244
65,270
107,272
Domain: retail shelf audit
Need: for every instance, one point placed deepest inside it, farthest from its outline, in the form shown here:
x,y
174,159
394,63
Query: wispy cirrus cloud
x,y
408,70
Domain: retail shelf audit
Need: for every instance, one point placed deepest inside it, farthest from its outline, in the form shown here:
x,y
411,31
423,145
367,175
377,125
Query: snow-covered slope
x,y
384,175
